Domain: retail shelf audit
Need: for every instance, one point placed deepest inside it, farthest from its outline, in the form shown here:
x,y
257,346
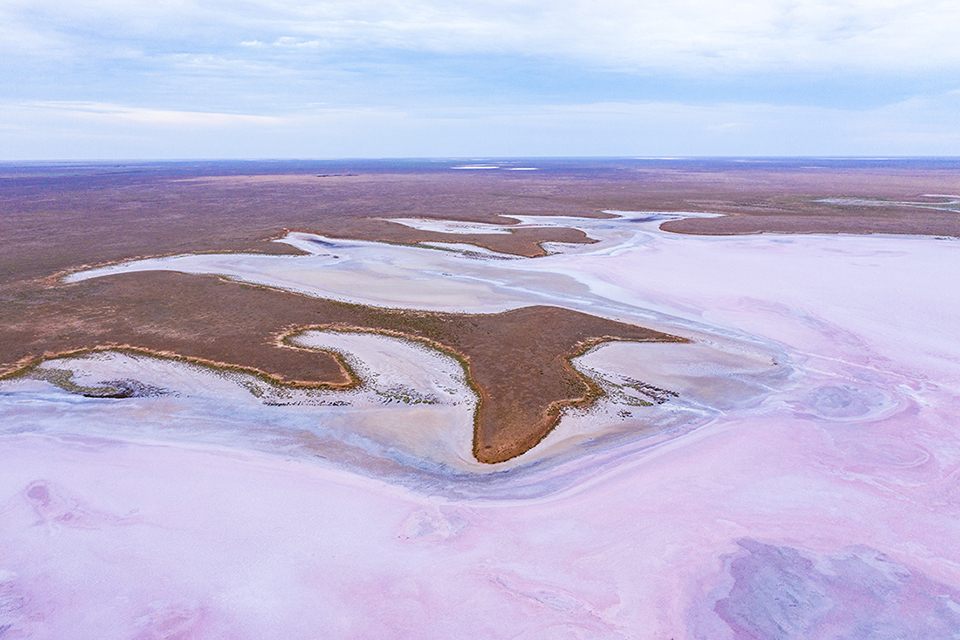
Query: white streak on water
x,y
451,226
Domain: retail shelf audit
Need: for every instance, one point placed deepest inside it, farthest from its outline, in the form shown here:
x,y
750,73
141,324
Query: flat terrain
x,y
55,217
61,217
517,360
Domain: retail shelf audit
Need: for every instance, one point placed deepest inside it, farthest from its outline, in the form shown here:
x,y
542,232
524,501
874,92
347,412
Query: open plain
x,y
394,399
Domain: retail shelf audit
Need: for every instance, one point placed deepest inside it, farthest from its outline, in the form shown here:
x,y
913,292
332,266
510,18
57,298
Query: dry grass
x,y
518,361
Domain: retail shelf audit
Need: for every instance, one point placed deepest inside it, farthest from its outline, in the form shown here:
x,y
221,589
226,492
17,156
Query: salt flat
x,y
811,458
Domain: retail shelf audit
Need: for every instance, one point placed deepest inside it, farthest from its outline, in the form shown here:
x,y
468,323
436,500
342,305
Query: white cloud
x,y
89,130
687,36
291,41
105,112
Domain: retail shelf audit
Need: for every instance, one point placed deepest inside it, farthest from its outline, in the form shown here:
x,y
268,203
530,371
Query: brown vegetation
x,y
517,360
60,217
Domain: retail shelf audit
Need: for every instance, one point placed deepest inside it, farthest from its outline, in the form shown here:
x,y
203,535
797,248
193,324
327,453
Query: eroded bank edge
x,y
63,378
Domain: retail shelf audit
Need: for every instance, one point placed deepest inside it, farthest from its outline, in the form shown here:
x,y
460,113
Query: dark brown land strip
x,y
518,361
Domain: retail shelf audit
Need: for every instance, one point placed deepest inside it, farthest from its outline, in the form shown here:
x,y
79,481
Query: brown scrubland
x,y
55,218
517,361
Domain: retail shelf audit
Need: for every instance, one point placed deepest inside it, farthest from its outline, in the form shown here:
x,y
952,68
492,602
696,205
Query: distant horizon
x,y
473,158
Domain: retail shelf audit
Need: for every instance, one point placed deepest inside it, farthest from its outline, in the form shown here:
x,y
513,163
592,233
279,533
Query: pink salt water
x,y
805,484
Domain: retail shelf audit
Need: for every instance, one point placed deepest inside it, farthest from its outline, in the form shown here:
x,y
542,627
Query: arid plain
x,y
60,218
574,391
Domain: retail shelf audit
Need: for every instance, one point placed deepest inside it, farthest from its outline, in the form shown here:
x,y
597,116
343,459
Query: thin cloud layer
x,y
39,131
686,36
280,60
108,113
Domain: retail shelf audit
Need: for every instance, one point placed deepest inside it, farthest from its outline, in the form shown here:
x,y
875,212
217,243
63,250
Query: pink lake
x,y
804,484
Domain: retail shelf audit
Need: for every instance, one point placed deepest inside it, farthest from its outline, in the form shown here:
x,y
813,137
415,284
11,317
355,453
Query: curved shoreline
x,y
500,433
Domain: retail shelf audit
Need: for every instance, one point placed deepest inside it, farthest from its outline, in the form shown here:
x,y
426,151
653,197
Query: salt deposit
x,y
810,458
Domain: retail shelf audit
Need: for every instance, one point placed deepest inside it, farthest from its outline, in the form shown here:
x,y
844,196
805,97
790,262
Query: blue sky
x,y
111,79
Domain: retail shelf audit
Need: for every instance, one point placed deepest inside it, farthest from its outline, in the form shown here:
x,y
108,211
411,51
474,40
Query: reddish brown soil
x,y
518,360
54,218
57,218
